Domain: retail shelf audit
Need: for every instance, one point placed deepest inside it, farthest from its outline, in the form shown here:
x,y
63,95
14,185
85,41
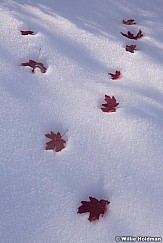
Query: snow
x,y
115,156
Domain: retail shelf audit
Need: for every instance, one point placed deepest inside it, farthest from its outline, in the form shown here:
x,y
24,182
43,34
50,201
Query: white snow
x,y
115,156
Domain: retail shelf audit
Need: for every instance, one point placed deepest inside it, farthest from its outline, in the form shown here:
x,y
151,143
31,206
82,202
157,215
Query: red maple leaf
x,y
110,105
128,22
57,142
26,32
115,75
131,36
139,35
34,65
94,207
131,48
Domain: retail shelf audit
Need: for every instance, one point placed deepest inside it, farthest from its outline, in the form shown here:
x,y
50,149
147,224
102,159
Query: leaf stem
x,y
64,133
38,54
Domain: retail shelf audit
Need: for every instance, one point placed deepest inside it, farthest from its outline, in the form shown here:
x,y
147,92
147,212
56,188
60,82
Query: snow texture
x,y
115,156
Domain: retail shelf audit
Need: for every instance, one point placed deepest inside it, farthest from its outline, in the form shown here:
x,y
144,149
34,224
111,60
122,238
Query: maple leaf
x,y
57,142
115,75
110,105
131,36
128,22
131,48
26,32
139,35
34,65
94,207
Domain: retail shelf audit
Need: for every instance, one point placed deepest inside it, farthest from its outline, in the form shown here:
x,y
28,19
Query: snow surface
x,y
115,156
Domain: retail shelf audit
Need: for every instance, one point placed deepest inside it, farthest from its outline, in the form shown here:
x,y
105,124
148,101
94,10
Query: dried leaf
x,y
110,105
57,142
131,48
131,36
115,75
26,32
94,207
34,65
128,22
139,35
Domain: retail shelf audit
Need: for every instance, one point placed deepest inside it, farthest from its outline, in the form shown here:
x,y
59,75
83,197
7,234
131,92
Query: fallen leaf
x,y
131,36
110,105
139,35
26,32
131,48
128,22
57,142
115,75
94,207
34,65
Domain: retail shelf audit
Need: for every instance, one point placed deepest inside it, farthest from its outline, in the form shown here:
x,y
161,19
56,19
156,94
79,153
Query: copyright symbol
x,y
117,239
